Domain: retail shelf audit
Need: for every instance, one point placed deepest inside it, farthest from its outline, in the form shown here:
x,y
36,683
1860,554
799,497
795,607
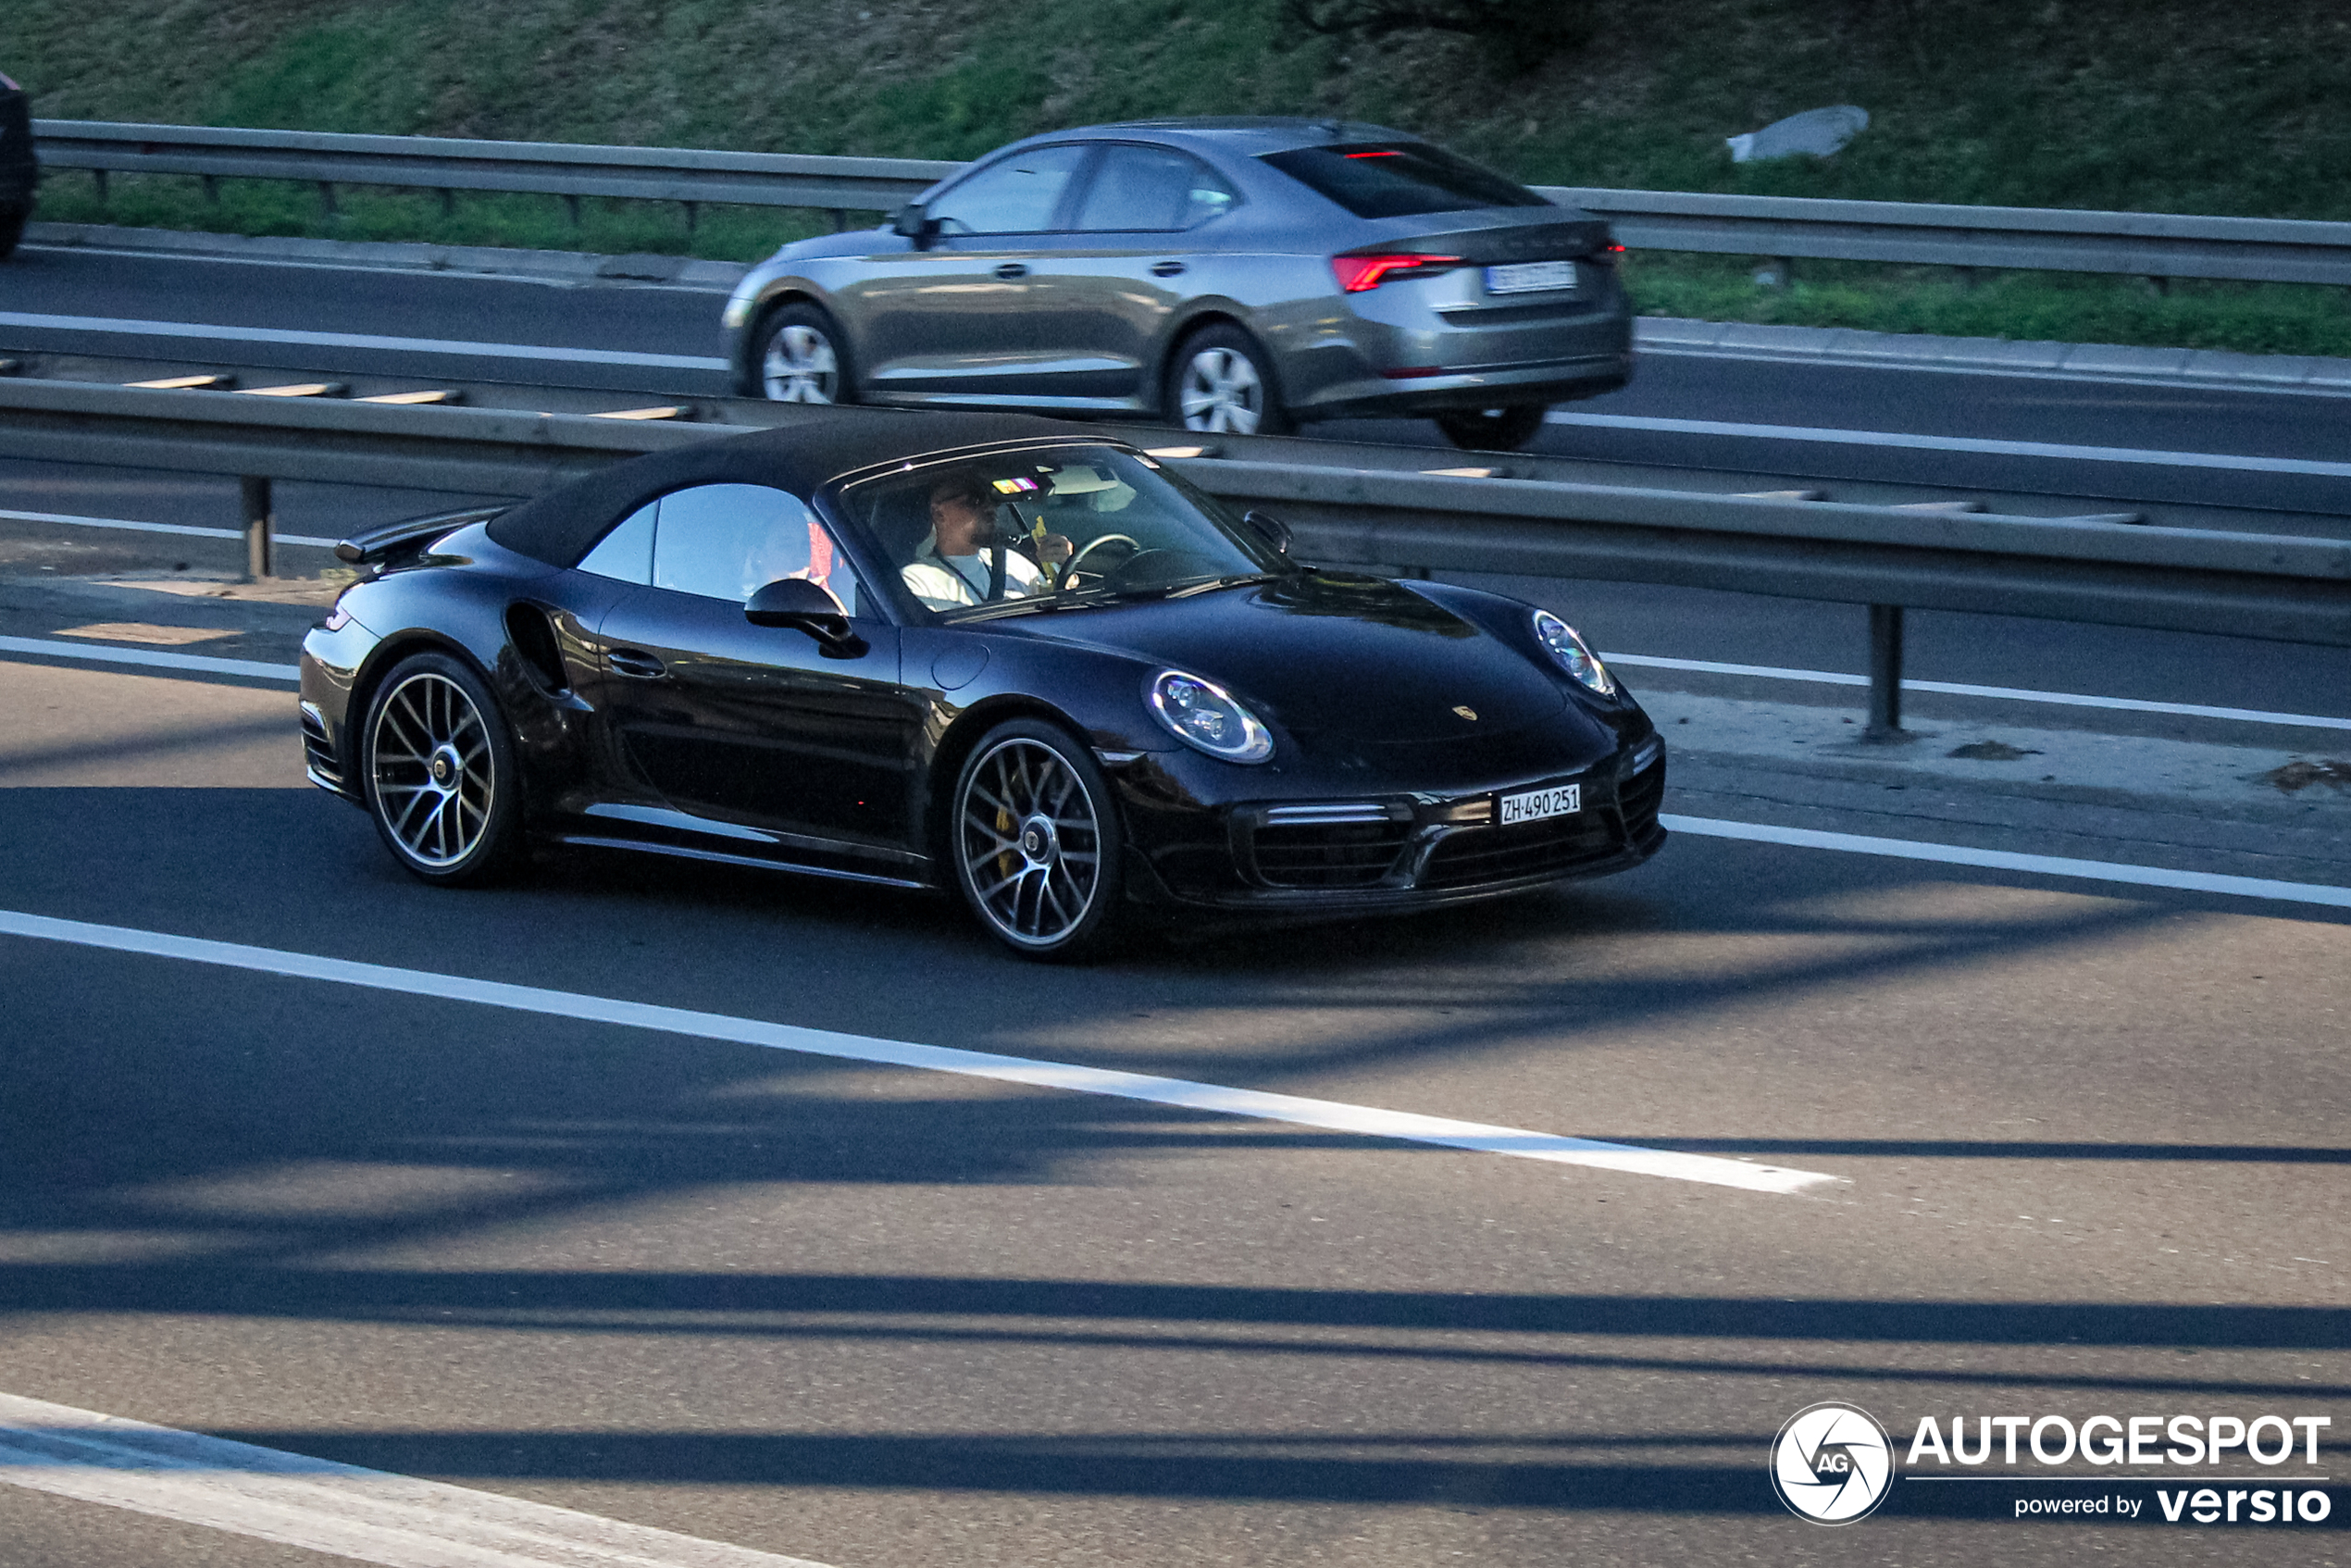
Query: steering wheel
x,y
1069,568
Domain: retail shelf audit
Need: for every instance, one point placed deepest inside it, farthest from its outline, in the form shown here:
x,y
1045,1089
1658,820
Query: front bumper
x,y
1394,850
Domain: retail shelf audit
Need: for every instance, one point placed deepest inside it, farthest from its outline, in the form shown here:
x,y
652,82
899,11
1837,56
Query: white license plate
x,y
1528,275
1564,800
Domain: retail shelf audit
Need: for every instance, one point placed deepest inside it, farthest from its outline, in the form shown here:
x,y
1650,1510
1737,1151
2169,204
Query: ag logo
x,y
1831,1464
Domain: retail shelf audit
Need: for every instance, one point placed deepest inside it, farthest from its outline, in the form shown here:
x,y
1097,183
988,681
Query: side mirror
x,y
805,607
1269,528
916,224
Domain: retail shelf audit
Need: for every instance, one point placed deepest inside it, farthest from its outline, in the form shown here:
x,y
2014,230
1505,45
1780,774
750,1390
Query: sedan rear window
x,y
1399,179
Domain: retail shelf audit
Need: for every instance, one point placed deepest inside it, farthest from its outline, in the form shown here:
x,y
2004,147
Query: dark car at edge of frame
x,y
19,166
990,655
1239,275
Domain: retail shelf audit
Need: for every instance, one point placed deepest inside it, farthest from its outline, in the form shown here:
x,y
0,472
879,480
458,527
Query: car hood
x,y
1332,657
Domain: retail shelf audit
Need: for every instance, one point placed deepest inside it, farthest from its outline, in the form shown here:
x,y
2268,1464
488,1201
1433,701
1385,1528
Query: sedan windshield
x,y
1056,526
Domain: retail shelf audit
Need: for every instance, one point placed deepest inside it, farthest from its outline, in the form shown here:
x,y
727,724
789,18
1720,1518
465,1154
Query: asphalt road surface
x,y
2082,1147
2059,1147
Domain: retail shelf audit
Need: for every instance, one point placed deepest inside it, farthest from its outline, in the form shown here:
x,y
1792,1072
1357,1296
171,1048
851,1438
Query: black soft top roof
x,y
819,445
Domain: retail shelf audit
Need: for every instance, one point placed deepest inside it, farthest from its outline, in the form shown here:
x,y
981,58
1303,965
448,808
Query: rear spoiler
x,y
379,544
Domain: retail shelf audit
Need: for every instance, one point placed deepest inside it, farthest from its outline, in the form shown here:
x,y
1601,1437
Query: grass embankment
x,y
2159,106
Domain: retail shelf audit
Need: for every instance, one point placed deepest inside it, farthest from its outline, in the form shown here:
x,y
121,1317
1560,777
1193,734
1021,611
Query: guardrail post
x,y
212,190
260,522
327,198
448,203
693,215
840,220
1886,673
571,205
99,176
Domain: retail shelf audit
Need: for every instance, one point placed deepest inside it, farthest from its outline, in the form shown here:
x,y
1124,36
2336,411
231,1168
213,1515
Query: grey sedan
x,y
1229,275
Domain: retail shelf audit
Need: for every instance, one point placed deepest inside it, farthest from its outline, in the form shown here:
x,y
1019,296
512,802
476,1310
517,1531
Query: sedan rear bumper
x,y
1561,381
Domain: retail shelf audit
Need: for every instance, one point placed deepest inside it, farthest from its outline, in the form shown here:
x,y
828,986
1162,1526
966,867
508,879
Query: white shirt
x,y
948,582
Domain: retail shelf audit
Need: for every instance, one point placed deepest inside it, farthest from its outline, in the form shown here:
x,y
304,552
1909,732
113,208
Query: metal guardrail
x,y
2074,569
2257,250
2146,244
448,164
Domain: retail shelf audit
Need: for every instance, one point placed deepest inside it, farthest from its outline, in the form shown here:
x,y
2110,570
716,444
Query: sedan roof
x,y
1246,133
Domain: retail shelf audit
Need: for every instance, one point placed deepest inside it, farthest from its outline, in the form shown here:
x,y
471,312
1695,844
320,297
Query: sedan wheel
x,y
440,772
1036,841
801,361
1221,384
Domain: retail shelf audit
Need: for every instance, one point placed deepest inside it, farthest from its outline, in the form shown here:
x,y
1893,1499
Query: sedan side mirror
x,y
805,607
916,223
1269,528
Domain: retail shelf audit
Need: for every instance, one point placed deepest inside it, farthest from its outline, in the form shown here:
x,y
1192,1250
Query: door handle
x,y
644,666
1012,269
1167,268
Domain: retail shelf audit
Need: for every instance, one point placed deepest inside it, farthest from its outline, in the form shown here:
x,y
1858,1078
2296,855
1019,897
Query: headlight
x,y
1204,716
1573,657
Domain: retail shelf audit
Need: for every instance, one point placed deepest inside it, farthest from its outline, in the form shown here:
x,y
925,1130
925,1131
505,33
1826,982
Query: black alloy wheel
x,y
1493,429
1035,838
438,766
1220,381
802,357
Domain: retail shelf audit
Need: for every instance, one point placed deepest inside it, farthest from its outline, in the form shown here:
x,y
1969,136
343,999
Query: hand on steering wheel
x,y
1069,568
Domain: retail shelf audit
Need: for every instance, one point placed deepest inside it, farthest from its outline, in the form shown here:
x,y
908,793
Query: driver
x,y
957,558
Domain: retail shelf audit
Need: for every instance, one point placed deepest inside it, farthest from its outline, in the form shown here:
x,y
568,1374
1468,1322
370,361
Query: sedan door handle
x,y
644,666
1012,269
1167,268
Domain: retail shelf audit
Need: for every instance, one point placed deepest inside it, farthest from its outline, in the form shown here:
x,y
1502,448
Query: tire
x,y
437,766
800,355
1493,429
11,230
1034,834
1220,381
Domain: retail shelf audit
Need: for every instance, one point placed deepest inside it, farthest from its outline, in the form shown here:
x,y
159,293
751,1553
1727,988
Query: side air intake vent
x,y
534,639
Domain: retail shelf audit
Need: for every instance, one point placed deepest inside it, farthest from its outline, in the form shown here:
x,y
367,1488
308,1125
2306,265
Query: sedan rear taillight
x,y
1359,273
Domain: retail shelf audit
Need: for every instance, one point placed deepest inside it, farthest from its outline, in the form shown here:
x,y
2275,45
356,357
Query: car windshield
x,y
1050,527
1400,178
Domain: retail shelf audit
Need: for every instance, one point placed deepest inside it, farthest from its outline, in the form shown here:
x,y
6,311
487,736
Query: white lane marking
x,y
1331,1115
190,529
1961,443
209,666
2004,860
232,334
2183,381
453,272
2005,694
371,1515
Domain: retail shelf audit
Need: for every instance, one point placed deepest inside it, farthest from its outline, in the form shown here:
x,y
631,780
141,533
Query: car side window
x,y
1013,195
626,555
729,541
1138,187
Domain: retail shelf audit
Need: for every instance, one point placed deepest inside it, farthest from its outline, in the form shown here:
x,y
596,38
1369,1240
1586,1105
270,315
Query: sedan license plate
x,y
1563,800
1529,276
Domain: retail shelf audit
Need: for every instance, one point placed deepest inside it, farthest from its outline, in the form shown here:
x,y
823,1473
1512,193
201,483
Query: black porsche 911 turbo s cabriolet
x,y
987,653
